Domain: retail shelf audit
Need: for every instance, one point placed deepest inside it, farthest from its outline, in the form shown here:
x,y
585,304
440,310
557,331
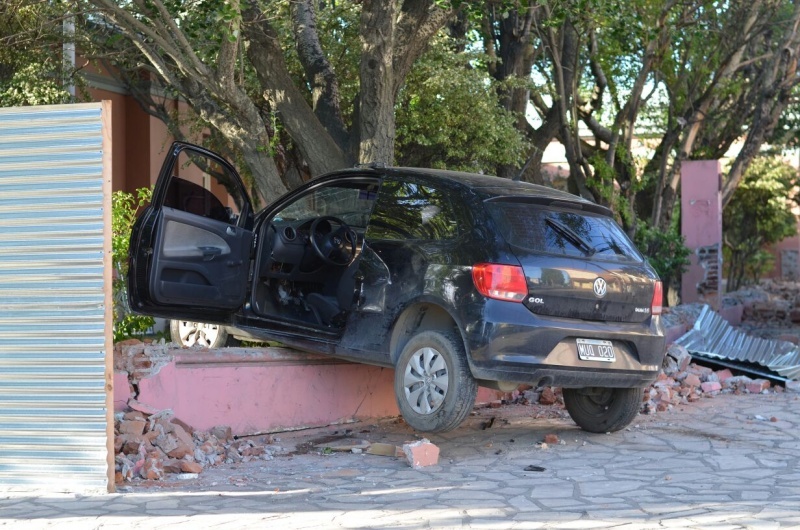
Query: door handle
x,y
231,231
210,253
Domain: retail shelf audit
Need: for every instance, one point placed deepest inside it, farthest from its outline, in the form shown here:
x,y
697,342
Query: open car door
x,y
190,249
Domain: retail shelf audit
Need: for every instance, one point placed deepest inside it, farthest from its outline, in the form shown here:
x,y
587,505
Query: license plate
x,y
596,350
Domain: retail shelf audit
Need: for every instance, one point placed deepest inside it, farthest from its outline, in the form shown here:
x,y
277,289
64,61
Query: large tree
x,y
228,61
687,77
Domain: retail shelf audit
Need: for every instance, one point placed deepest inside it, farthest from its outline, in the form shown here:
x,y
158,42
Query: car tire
x,y
602,409
434,387
189,334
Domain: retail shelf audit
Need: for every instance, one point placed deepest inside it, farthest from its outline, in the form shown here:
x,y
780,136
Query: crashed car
x,y
453,279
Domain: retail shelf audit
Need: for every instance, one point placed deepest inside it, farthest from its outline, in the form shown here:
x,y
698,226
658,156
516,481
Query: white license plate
x,y
596,350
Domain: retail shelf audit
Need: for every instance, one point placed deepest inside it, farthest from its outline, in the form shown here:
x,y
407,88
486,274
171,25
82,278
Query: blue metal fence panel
x,y
53,417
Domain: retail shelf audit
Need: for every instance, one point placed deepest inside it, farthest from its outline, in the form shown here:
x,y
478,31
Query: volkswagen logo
x,y
600,287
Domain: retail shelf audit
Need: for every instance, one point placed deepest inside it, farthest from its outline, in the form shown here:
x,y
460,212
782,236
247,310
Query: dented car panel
x,y
450,278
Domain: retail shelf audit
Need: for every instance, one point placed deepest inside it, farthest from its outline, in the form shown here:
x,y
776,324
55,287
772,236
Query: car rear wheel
x,y
189,334
434,387
602,409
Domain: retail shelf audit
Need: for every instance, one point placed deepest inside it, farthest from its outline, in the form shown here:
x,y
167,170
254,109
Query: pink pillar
x,y
701,225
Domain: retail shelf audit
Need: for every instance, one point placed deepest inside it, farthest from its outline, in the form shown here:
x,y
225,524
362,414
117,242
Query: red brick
x,y
190,467
421,453
141,407
692,380
186,427
172,465
135,427
133,415
131,444
152,469
662,407
722,375
711,386
185,443
757,386
548,397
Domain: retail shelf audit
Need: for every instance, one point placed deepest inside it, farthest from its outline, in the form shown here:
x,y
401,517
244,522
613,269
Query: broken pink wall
x,y
258,389
701,226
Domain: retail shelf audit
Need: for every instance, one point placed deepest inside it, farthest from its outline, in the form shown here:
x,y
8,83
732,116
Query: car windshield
x,y
351,203
558,231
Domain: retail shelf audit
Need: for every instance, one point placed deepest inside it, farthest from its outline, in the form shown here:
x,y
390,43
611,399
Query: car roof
x,y
487,187
491,187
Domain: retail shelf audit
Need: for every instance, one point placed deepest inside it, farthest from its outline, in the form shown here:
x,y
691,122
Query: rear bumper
x,y
509,343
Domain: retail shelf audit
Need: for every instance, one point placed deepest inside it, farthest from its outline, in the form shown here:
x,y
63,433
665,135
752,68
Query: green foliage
x,y
124,207
665,251
28,86
448,116
31,69
759,214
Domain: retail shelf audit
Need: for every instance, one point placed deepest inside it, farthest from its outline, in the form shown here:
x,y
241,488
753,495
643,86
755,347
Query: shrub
x,y
124,207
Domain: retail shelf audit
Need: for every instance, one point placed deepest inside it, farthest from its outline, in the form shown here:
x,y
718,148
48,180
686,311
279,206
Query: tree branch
x,y
319,73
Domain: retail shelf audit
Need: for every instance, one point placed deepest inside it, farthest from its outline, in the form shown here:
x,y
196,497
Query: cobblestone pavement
x,y
724,462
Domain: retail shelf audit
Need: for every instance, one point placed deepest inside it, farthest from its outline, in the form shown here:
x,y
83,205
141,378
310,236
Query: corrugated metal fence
x,y
53,322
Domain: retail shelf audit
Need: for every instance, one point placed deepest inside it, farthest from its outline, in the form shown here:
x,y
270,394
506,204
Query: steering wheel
x,y
332,247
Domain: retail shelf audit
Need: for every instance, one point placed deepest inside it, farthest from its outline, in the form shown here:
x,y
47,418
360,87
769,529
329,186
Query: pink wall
x,y
255,389
701,225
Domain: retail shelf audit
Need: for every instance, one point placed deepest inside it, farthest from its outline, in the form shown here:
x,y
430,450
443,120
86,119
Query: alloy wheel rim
x,y
425,381
198,333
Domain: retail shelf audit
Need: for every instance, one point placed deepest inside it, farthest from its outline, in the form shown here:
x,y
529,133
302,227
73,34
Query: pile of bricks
x,y
682,381
149,446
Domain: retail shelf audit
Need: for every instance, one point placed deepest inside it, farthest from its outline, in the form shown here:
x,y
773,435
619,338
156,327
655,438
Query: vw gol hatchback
x,y
455,280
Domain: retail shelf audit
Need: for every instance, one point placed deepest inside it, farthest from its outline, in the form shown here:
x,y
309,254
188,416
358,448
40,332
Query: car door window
x,y
201,186
409,210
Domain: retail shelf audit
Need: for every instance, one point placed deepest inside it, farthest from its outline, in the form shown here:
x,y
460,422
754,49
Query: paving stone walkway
x,y
725,462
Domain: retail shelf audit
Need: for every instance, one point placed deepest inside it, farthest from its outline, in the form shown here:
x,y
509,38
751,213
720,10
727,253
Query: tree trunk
x,y
318,148
319,73
376,98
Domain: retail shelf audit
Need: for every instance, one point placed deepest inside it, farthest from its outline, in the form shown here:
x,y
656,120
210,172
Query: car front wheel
x,y
434,387
189,334
602,409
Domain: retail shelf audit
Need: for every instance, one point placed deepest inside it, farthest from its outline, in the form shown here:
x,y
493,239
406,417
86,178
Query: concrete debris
x,y
150,446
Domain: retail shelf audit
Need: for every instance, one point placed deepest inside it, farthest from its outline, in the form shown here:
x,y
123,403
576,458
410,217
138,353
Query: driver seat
x,y
327,308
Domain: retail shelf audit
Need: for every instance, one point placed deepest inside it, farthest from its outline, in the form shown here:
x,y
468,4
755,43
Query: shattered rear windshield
x,y
556,231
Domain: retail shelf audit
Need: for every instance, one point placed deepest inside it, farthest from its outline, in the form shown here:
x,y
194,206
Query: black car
x,y
454,279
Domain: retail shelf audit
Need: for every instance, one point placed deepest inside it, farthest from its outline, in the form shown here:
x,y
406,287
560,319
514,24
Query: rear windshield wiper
x,y
569,234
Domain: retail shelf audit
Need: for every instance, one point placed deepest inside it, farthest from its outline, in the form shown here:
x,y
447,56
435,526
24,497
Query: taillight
x,y
503,282
658,299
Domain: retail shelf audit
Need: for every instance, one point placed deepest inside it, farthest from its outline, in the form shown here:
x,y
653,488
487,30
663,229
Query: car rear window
x,y
559,231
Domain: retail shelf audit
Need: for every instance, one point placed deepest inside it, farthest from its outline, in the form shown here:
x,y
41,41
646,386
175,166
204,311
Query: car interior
x,y
310,252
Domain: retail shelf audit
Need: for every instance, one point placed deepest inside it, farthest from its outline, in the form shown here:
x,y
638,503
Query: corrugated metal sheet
x,y
712,336
52,299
